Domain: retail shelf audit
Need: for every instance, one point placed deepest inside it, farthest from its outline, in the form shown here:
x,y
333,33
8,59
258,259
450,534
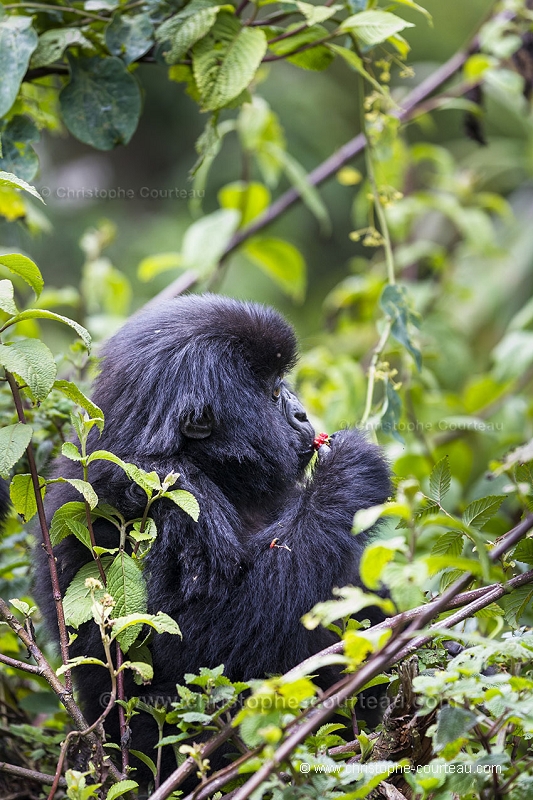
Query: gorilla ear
x,y
194,427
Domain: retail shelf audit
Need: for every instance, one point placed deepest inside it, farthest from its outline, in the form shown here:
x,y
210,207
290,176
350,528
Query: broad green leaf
x,y
226,60
145,760
186,28
14,439
71,391
54,42
516,604
440,480
69,450
32,361
85,489
453,723
366,517
8,180
102,103
186,501
24,268
126,585
160,622
316,14
154,265
120,788
23,496
37,313
450,543
251,199
375,558
480,511
17,154
59,528
129,37
7,297
77,602
23,607
281,261
18,40
374,27
149,481
394,302
205,241
315,58
79,661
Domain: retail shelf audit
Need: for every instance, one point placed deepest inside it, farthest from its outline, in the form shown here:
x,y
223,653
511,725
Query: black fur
x,y
237,600
4,500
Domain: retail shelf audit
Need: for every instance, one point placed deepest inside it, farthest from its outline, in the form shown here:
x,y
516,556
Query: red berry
x,y
320,439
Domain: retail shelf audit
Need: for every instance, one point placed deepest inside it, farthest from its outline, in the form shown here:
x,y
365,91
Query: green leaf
x,y
54,42
129,37
85,489
374,27
480,511
391,411
11,181
250,198
316,14
375,558
69,450
71,391
205,241
24,268
394,302
440,480
160,622
37,313
281,261
60,528
145,760
17,153
315,58
154,265
120,788
32,361
226,60
7,297
356,63
449,544
18,40
77,602
126,585
517,603
23,497
453,723
102,103
14,439
186,28
186,501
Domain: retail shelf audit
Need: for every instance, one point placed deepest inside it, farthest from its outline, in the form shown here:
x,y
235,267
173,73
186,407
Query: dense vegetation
x,y
427,342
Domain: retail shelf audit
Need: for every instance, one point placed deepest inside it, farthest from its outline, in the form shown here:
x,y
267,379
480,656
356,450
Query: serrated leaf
x,y
71,391
281,261
7,297
18,154
440,480
120,788
160,622
126,585
23,266
84,488
516,604
77,602
186,501
53,43
69,450
450,543
18,40
480,511
101,104
226,60
395,303
14,439
23,497
129,37
11,181
32,361
183,30
374,27
315,58
453,723
37,313
59,527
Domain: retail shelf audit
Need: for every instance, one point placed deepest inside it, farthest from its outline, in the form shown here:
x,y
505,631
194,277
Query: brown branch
x,y
12,662
56,591
29,774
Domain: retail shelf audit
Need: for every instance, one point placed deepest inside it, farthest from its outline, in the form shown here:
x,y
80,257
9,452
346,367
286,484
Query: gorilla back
x,y
197,387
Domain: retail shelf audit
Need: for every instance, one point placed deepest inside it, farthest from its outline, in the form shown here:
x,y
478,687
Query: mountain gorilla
x,y
4,500
196,386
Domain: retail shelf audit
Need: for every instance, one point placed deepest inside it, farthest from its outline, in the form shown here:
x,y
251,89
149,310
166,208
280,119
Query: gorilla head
x,y
196,386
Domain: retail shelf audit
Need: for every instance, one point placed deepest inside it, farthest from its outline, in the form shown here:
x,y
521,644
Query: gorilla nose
x,y
301,416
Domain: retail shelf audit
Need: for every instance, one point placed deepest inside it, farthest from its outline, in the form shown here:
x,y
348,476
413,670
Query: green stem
x,y
49,7
373,369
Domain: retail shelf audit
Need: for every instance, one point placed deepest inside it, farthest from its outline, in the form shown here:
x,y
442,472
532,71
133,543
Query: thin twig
x,y
29,774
